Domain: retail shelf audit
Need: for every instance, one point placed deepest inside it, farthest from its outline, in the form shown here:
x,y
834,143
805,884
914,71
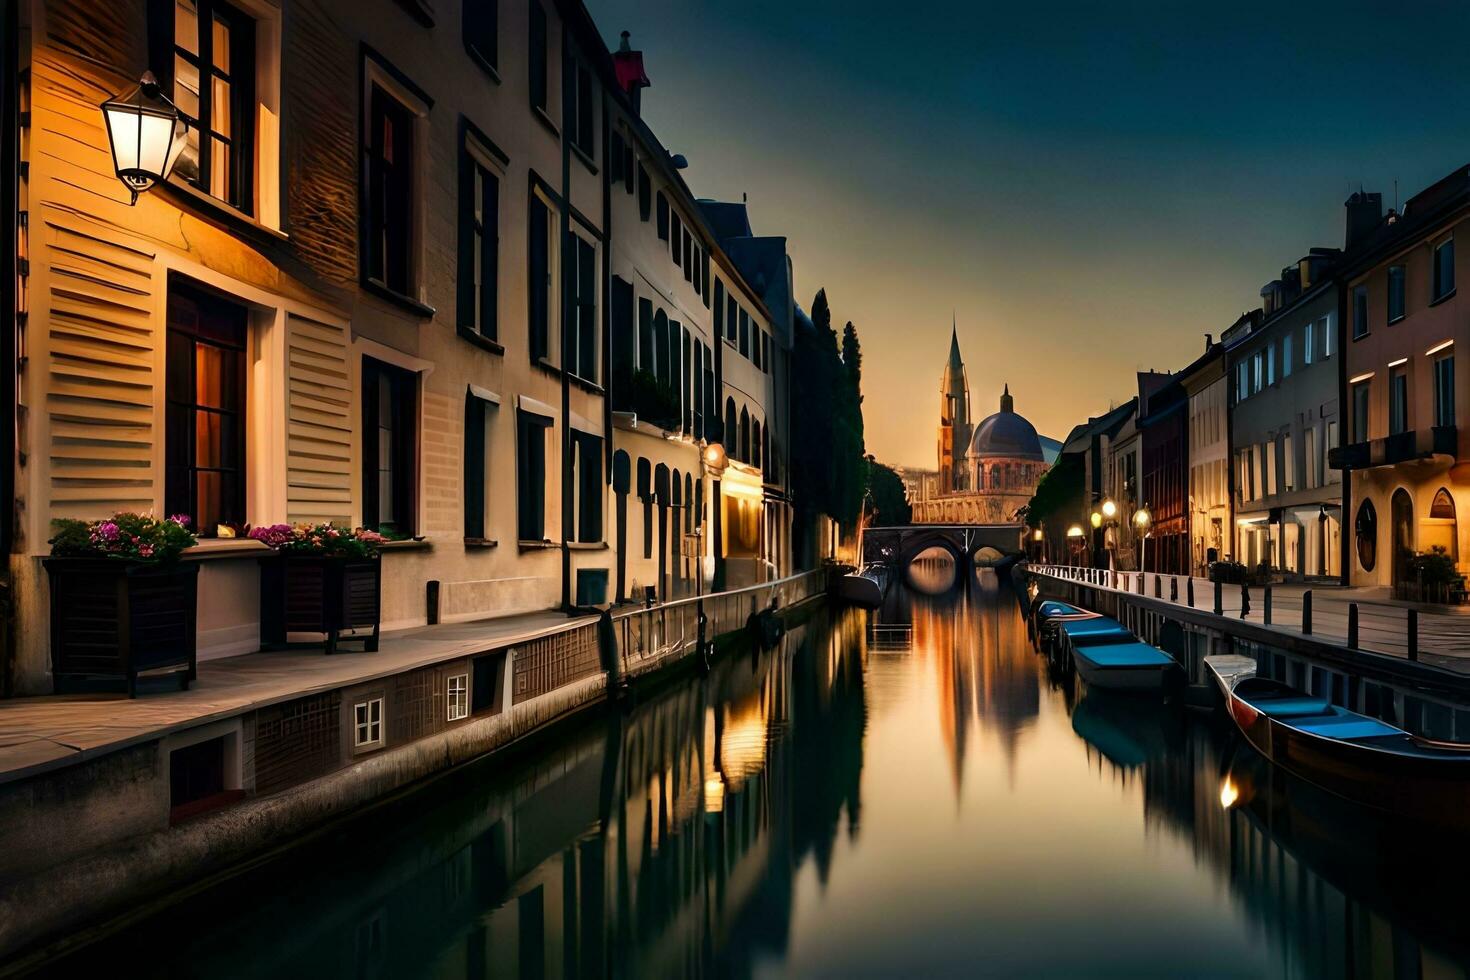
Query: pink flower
x,y
180,519
108,530
145,550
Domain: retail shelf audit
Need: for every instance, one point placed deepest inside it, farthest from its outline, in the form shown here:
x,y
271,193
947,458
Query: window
x,y
1398,401
387,219
367,723
1329,339
1360,311
1365,529
458,696
1270,364
732,313
538,57
1286,356
582,324
587,486
479,242
1360,412
1309,344
1444,269
646,360
759,345
205,423
645,192
719,310
1329,475
1288,464
213,67
1395,293
543,287
1258,371
1309,456
476,417
1268,453
662,215
532,431
744,334
677,239
579,115
1444,390
389,450
1242,381
481,32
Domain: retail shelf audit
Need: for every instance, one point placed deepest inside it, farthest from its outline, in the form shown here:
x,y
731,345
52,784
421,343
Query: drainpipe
x,y
568,77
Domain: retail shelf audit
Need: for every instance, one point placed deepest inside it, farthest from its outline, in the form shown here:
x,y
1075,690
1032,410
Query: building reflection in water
x,y
680,836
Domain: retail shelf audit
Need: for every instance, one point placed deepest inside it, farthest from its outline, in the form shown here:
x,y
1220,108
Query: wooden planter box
x,y
113,619
303,594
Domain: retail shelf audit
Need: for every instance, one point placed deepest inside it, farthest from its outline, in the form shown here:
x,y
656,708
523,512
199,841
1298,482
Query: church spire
x,y
1007,403
955,362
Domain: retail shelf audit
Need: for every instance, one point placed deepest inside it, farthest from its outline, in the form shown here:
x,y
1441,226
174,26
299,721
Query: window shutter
x,y
465,290
490,256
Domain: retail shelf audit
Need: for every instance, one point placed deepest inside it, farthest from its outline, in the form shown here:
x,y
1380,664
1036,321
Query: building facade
x,y
1284,371
1210,521
1163,414
1403,451
378,290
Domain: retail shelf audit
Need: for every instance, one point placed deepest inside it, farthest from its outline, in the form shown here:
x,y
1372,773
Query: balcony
x,y
1402,447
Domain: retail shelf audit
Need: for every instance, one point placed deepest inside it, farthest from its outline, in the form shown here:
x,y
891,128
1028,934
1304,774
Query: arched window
x,y
661,485
755,443
688,504
732,431
645,479
1443,508
1365,528
744,456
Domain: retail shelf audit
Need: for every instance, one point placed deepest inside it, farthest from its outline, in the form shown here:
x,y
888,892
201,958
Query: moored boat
x,y
1109,656
1349,754
864,588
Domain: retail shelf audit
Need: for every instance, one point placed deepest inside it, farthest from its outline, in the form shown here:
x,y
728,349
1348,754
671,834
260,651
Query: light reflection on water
x,y
948,806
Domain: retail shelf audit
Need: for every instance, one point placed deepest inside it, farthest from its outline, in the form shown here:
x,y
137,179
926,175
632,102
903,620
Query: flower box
x,y
324,594
114,618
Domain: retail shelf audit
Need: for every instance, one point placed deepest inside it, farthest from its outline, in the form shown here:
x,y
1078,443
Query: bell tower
x,y
954,417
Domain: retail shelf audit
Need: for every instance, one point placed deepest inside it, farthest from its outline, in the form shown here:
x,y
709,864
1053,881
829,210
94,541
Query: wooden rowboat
x,y
1355,756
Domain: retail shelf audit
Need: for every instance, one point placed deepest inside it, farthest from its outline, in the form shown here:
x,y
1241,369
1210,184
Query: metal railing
x,y
649,636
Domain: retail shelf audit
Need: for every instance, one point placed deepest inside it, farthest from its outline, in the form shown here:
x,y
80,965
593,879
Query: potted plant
x,y
121,601
1433,577
320,579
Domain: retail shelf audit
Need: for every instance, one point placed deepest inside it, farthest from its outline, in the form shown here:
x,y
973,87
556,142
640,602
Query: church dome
x,y
1006,435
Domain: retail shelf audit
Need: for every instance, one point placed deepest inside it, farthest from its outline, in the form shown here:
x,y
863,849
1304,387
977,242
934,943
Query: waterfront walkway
x,y
42,733
1383,622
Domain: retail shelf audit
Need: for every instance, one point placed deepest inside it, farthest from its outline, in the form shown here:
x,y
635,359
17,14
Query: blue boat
x,y
1109,656
1355,756
1047,615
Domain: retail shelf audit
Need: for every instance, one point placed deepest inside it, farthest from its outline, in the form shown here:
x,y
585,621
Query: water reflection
x,y
952,805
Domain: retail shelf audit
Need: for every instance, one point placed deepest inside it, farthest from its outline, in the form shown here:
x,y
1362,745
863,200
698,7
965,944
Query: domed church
x,y
988,471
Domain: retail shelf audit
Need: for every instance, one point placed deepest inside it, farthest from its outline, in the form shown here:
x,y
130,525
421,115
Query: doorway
x,y
1402,523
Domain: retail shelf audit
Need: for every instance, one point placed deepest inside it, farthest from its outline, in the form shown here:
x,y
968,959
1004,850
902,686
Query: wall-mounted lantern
x,y
147,135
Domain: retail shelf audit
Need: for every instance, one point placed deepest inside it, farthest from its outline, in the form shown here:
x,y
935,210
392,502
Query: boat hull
x,y
1425,789
860,590
1138,680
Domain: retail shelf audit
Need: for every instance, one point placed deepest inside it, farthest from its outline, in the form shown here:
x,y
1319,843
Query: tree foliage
x,y
1058,487
829,472
885,488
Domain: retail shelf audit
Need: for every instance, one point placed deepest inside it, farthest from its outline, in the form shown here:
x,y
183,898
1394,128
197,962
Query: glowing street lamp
x,y
146,133
715,458
1141,518
1075,531
1097,520
1109,509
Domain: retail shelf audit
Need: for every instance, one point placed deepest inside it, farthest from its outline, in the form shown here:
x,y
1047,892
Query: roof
x,y
1006,434
1080,438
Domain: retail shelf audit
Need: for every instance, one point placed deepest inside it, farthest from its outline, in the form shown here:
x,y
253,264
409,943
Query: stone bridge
x,y
902,545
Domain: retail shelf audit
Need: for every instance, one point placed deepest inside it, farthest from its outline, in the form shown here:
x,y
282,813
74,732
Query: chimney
x,y
1209,342
631,78
1364,212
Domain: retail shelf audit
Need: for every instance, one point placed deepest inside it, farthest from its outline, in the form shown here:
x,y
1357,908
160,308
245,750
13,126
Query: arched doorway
x,y
1402,539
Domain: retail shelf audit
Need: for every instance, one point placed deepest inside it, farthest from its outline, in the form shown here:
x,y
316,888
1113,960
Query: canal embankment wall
x,y
89,841
1422,698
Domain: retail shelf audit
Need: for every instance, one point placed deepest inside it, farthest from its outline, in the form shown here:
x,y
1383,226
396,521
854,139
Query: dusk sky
x,y
1090,187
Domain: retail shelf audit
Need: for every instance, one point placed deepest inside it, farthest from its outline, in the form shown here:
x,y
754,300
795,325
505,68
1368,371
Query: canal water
x,y
914,792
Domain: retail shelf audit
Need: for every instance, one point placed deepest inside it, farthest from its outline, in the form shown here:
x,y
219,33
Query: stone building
x,y
987,472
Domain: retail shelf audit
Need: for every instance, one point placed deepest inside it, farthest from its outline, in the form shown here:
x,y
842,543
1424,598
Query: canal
x,y
917,796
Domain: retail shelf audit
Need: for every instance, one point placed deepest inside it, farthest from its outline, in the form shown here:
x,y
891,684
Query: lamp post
x,y
146,134
1141,519
1074,541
